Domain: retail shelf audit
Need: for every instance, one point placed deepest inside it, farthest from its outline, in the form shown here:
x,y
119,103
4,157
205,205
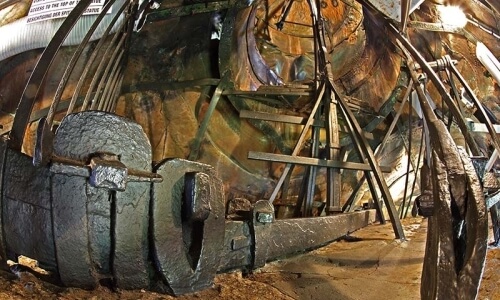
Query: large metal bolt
x,y
263,212
108,172
198,194
265,217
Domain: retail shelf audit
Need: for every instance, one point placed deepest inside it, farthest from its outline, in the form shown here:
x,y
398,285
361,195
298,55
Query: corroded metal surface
x,y
186,248
254,52
26,196
457,235
79,137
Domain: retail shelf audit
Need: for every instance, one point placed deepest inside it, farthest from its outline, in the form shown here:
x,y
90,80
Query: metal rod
x,y
416,171
112,91
284,15
408,150
101,66
298,145
200,134
116,91
111,80
118,51
72,62
405,11
439,86
311,180
38,76
93,56
477,103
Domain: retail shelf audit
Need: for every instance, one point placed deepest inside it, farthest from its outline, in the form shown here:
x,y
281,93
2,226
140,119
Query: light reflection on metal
x,y
483,27
488,60
452,15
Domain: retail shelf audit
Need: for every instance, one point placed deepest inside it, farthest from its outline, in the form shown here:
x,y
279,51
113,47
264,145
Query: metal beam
x,y
309,161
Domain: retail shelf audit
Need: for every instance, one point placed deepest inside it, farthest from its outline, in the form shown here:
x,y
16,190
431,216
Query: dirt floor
x,y
368,264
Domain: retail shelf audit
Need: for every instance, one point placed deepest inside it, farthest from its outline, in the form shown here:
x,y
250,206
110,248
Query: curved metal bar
x,y
104,74
97,73
73,61
116,93
94,55
32,88
112,90
259,67
7,3
407,46
476,102
107,76
110,82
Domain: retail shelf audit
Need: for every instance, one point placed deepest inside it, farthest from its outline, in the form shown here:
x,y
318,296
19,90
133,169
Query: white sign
x,y
52,9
